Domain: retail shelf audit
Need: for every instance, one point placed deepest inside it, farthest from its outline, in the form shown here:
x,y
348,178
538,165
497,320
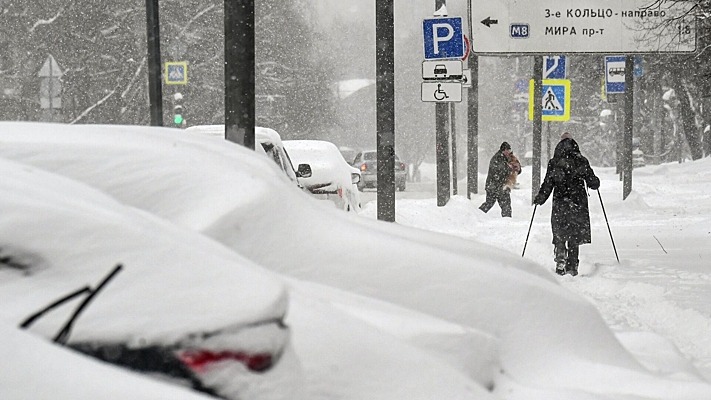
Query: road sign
x,y
442,70
582,26
442,92
443,38
176,73
614,74
554,67
555,102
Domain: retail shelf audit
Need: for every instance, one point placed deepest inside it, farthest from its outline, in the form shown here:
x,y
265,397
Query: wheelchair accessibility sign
x,y
176,73
442,92
555,100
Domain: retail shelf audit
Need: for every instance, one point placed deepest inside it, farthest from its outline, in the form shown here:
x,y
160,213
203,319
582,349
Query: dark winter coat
x,y
498,172
568,173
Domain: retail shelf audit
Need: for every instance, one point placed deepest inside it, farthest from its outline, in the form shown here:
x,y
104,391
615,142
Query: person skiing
x,y
500,168
568,173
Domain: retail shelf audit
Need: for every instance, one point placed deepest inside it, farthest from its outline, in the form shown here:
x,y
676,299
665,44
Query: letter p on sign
x,y
436,38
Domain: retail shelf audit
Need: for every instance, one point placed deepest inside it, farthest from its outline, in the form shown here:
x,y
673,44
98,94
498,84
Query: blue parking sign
x,y
443,38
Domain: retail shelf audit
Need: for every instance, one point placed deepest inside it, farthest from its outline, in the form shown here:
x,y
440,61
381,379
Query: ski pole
x,y
608,226
529,229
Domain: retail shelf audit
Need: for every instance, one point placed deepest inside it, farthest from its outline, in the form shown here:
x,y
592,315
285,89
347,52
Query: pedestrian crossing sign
x,y
555,100
176,73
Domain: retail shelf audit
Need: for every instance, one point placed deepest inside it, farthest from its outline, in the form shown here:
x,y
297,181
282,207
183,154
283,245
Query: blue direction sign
x,y
555,101
443,38
614,74
555,67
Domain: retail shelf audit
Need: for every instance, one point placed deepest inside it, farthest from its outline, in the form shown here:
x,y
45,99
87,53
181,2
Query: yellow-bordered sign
x,y
176,73
555,103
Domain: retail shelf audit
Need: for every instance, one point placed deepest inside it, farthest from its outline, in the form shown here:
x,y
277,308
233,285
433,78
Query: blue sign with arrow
x,y
555,67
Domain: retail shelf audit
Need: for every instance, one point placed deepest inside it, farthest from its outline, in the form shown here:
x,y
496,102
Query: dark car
x,y
367,163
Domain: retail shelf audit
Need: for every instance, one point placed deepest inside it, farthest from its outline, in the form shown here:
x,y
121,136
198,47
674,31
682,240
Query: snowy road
x,y
662,233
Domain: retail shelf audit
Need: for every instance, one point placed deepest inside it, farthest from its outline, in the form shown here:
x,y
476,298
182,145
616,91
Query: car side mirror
x,y
304,171
355,178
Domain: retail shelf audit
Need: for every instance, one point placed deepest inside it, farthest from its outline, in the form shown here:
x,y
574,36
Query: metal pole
x,y
239,72
442,144
537,124
453,129
472,118
629,127
548,141
385,120
473,127
155,88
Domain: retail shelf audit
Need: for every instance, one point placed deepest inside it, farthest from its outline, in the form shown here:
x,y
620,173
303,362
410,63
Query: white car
x,y
268,142
332,178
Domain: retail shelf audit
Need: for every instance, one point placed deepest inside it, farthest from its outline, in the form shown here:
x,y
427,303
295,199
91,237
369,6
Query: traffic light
x,y
178,118
178,115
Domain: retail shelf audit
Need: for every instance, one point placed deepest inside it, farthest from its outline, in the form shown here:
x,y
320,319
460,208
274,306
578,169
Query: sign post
x,y
443,39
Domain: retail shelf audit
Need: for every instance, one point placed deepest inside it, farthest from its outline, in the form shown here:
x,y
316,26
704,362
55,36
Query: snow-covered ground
x,y
662,234
448,309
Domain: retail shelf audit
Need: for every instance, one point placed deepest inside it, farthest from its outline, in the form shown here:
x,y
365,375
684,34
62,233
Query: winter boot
x,y
560,253
572,269
571,266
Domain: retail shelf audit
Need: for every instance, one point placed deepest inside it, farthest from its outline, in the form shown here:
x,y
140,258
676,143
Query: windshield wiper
x,y
63,334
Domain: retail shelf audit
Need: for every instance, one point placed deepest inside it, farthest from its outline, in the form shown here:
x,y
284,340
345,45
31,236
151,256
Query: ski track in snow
x,y
659,286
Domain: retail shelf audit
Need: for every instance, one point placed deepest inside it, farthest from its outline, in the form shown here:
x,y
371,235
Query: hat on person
x,y
566,135
505,146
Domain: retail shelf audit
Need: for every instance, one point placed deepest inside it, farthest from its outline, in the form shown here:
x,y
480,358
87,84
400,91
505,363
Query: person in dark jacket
x,y
496,190
568,173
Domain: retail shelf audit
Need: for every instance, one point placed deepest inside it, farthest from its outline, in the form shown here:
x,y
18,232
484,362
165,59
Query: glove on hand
x,y
539,200
594,183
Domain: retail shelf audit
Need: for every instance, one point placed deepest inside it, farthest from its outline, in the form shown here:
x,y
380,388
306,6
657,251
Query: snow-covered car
x,y
322,321
367,163
138,291
268,142
332,178
537,325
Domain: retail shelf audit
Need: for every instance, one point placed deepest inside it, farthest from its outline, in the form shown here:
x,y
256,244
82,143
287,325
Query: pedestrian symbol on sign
x,y
176,73
550,101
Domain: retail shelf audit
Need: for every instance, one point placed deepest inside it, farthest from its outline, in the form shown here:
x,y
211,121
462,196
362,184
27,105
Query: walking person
x,y
568,173
501,167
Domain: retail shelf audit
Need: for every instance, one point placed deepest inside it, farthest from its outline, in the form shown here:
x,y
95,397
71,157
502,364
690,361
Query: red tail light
x,y
199,360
